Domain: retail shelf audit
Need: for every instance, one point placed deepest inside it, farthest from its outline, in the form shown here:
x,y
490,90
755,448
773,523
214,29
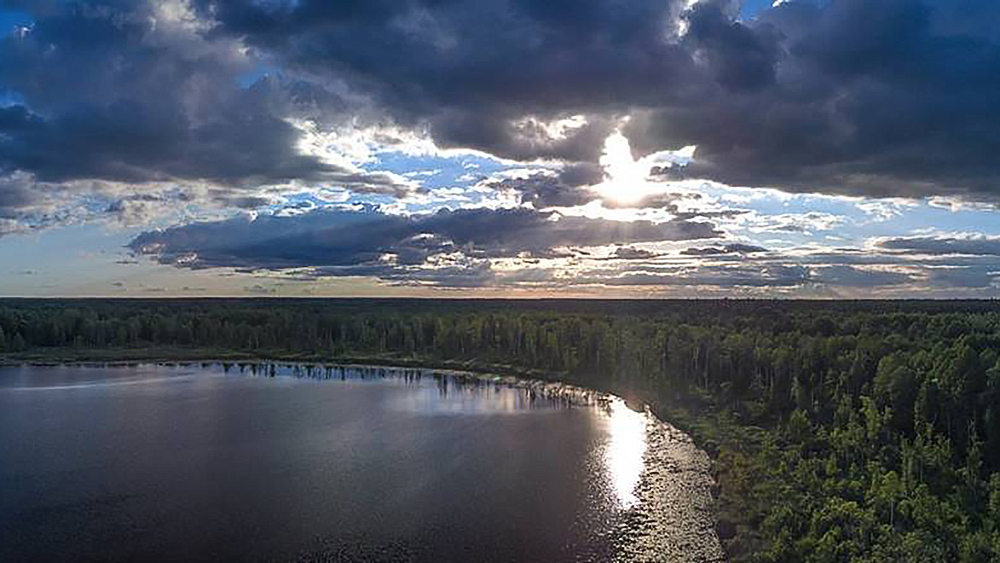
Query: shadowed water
x,y
200,463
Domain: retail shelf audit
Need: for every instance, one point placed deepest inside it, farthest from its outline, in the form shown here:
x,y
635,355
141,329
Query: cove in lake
x,y
197,463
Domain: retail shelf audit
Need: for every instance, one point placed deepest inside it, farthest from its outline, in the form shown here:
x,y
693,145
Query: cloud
x,y
526,248
16,196
138,209
632,253
734,248
851,276
722,276
790,222
239,121
793,99
544,190
522,247
822,124
142,93
447,65
18,203
367,241
26,205
968,243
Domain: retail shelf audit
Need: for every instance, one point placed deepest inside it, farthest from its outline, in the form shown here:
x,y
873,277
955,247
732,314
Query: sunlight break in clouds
x,y
627,179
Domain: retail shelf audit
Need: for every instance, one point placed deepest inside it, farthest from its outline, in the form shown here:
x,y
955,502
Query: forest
x,y
839,430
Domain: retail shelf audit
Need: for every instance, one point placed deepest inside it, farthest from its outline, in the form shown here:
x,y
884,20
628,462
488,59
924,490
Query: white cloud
x,y
956,204
804,223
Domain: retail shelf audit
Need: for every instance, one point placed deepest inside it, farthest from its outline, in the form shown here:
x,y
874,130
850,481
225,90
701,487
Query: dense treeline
x,y
879,422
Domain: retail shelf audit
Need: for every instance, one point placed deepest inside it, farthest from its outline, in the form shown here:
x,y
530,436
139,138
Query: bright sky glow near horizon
x,y
667,148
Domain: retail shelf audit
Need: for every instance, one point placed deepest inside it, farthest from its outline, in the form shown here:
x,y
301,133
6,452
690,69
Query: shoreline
x,y
555,388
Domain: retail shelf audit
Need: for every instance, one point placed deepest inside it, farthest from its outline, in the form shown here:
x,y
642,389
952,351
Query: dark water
x,y
155,463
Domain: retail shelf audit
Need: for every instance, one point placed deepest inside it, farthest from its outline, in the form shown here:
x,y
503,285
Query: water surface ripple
x,y
275,462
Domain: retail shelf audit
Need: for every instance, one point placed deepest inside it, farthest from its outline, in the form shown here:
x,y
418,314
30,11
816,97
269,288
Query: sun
x,y
626,179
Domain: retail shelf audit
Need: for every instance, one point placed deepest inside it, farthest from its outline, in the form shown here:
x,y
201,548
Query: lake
x,y
204,463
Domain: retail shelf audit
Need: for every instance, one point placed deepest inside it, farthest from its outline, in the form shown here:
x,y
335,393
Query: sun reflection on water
x,y
624,453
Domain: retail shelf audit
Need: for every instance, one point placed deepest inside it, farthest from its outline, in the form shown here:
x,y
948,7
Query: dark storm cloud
x,y
977,245
869,98
26,205
545,190
895,97
15,197
471,70
741,58
475,73
632,253
242,201
115,92
337,238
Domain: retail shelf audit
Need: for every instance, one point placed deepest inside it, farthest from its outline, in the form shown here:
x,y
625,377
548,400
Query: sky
x,y
500,148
